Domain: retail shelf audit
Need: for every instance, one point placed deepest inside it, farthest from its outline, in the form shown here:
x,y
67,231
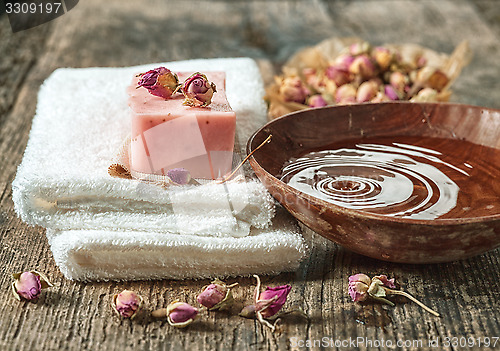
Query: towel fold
x,y
101,227
137,255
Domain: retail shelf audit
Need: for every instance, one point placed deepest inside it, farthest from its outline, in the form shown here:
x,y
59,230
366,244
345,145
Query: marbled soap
x,y
166,134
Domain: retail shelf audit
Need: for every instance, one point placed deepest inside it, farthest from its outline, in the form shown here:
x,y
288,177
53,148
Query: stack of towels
x,y
101,227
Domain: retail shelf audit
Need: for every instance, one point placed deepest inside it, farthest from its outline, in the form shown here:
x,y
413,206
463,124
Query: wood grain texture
x,y
76,316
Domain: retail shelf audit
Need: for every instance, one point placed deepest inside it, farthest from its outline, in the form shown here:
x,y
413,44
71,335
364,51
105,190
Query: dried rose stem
x,y
268,139
257,287
405,294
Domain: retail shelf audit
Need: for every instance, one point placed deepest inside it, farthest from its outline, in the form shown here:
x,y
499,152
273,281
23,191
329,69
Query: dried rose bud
x,y
367,91
179,176
29,285
361,287
338,75
127,303
425,95
358,286
390,92
363,67
382,56
197,90
215,296
292,89
267,303
359,48
159,82
345,94
312,79
380,97
181,314
343,61
398,80
279,295
316,101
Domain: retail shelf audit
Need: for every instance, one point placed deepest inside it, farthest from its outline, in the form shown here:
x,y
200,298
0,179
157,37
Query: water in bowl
x,y
411,177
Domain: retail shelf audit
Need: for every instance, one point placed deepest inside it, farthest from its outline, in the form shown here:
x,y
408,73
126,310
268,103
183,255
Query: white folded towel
x,y
83,117
137,255
101,227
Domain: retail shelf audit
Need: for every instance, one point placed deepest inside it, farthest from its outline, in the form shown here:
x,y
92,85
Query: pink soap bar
x,y
166,134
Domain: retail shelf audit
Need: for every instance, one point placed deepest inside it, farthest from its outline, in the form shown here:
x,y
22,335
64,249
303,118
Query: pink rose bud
x,y
198,91
359,48
367,91
212,295
363,67
292,89
398,80
425,95
390,92
127,303
312,79
380,97
358,286
343,61
29,285
316,101
179,176
217,295
181,314
159,82
278,292
338,74
345,94
382,56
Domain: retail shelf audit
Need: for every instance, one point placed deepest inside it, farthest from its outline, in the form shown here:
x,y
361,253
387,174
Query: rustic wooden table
x,y
77,316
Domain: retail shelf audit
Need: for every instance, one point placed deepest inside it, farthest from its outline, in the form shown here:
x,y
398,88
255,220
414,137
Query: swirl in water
x,y
395,180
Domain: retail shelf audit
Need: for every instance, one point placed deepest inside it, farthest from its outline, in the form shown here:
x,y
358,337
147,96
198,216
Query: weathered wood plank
x,y
76,316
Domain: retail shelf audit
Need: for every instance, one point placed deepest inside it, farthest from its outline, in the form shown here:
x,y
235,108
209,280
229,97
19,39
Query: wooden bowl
x,y
386,238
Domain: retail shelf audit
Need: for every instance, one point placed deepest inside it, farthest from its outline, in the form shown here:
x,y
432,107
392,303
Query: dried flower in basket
x,y
341,71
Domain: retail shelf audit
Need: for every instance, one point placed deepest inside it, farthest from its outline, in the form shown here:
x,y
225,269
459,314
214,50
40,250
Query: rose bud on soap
x,y
179,176
29,285
159,82
198,91
127,303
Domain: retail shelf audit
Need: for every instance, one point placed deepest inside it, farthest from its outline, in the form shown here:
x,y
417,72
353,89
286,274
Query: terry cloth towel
x,y
101,227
